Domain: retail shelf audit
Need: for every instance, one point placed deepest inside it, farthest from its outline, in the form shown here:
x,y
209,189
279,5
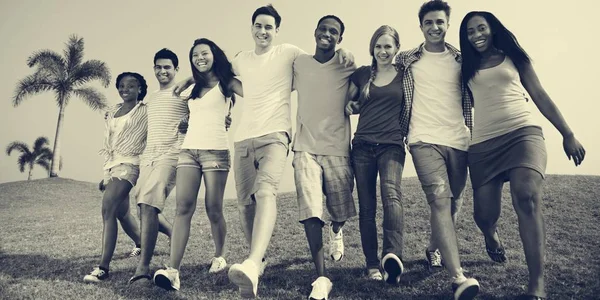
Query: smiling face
x,y
129,89
479,34
264,30
202,58
434,27
385,49
327,34
164,70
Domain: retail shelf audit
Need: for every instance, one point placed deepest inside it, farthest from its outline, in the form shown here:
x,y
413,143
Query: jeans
x,y
387,160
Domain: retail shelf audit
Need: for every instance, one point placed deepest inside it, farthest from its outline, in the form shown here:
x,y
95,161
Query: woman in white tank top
x,y
507,145
204,153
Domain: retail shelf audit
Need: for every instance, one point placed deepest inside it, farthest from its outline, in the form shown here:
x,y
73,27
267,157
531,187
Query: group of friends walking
x,y
419,100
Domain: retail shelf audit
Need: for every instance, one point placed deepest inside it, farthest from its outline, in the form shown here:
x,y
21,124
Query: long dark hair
x,y
221,68
503,40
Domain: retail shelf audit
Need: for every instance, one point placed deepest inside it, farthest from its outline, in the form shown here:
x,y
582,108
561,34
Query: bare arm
x,y
352,107
236,86
182,85
573,149
346,57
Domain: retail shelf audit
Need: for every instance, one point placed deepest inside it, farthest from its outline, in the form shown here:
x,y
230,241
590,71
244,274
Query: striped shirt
x,y
165,111
403,62
131,141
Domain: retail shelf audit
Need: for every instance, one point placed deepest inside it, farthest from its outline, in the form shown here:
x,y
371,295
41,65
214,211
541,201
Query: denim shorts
x,y
205,160
127,172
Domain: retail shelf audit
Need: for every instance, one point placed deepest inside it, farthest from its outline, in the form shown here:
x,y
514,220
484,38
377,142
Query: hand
x,y
101,186
228,121
183,126
346,57
182,86
573,149
352,108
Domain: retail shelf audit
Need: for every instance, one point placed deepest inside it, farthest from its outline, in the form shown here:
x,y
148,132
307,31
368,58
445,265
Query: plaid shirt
x,y
403,62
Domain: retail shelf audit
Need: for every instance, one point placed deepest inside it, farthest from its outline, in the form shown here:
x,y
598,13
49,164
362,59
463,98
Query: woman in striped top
x,y
204,153
124,141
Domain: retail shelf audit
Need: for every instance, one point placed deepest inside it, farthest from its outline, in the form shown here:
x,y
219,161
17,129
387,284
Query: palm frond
x,y
24,160
40,144
89,71
17,145
31,85
73,52
45,154
44,163
93,98
48,61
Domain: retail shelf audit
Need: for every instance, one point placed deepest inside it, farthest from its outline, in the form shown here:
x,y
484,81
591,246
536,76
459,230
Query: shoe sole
x,y
163,282
243,282
393,270
468,293
94,280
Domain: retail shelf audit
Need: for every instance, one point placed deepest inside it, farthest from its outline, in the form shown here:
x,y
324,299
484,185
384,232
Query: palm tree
x,y
66,76
39,155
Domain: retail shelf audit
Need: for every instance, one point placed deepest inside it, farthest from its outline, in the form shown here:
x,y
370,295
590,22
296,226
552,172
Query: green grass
x,y
52,229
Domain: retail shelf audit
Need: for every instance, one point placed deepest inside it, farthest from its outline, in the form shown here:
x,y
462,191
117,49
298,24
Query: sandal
x,y
499,254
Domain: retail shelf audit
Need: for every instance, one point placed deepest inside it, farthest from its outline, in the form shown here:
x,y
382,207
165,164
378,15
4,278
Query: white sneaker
x,y
217,265
336,244
321,288
392,268
245,276
97,275
135,252
466,289
374,274
167,279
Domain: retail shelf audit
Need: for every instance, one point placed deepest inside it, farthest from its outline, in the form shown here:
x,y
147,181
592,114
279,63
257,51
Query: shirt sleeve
x,y
360,76
235,64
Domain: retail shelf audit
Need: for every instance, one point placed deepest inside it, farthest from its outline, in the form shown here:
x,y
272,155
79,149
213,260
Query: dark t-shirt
x,y
379,120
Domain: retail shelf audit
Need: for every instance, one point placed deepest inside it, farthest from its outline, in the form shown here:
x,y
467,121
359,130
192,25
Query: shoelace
x,y
135,252
97,272
436,257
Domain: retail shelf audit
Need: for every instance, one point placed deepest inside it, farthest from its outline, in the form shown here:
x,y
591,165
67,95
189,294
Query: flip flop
x,y
138,277
499,254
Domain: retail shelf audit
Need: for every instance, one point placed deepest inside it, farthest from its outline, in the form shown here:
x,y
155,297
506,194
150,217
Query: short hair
x,y
433,5
139,78
268,10
337,19
165,53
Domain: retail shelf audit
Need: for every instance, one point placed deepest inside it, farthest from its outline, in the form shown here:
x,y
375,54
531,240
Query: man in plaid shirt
x,y
438,126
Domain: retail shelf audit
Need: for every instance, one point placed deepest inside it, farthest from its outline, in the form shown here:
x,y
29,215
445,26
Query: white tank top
x,y
206,129
500,102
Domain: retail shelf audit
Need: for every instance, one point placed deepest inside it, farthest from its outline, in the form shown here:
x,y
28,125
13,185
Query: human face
x,y
264,30
202,58
479,34
129,89
327,34
164,71
385,49
434,27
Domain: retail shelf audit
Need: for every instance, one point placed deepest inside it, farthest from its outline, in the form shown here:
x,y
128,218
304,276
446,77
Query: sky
x,y
125,34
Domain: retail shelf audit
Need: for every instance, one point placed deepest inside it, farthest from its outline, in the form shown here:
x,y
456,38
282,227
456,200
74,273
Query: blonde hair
x,y
383,30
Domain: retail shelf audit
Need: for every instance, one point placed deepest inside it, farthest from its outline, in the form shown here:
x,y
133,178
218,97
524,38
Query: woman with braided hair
x,y
378,149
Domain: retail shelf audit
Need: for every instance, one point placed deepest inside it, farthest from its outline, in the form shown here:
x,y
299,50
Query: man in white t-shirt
x,y
262,145
438,136
159,160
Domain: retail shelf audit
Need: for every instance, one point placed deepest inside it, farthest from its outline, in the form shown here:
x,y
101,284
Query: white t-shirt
x,y
267,80
206,129
437,113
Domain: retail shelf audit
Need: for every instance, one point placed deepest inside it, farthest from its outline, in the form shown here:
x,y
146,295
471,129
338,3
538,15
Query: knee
x,y
148,211
440,204
525,199
185,209
265,195
214,213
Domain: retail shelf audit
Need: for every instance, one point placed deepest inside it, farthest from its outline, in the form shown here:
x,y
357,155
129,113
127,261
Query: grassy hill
x,y
52,230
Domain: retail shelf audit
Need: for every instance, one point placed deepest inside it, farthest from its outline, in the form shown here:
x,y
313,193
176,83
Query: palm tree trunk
x,y
29,176
54,167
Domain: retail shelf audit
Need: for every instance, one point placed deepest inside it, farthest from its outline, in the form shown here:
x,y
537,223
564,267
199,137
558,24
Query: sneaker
x,y
374,274
245,276
321,288
217,265
135,252
392,268
336,244
434,259
466,289
167,279
97,275
263,266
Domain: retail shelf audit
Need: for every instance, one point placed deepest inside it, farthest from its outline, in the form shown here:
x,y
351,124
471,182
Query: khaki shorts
x,y
259,163
156,182
324,175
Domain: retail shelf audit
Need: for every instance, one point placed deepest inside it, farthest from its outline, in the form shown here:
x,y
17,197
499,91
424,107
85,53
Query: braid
x,y
366,88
